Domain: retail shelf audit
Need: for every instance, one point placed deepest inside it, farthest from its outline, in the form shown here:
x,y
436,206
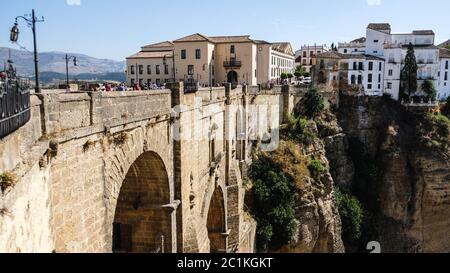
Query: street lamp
x,y
68,58
14,37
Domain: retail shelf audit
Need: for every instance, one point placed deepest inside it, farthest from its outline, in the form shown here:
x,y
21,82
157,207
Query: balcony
x,y
232,64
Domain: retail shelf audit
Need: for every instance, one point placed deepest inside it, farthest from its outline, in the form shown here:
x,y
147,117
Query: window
x,y
149,69
345,50
361,66
379,77
132,70
375,52
158,82
370,78
318,52
304,54
141,69
359,79
390,72
446,76
198,54
183,54
355,66
446,65
389,85
213,54
375,41
310,62
132,82
190,70
369,86
166,69
380,66
304,62
158,70
232,49
379,86
212,70
370,66
149,82
322,64
353,79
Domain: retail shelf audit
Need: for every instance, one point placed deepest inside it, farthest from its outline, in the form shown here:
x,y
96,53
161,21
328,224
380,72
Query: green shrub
x,y
297,129
273,204
313,103
316,167
7,180
352,216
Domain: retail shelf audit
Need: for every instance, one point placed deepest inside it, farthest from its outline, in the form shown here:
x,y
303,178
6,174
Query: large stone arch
x,y
216,222
144,142
141,222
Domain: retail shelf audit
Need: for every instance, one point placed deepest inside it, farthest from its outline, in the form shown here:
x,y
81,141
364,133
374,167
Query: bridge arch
x,y
216,222
142,223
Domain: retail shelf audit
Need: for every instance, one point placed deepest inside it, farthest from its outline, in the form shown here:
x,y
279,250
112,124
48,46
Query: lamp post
x,y
68,58
14,37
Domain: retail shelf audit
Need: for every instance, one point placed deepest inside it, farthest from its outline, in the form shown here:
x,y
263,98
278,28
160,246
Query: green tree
x,y
429,89
409,72
352,217
313,103
299,71
284,76
274,199
290,76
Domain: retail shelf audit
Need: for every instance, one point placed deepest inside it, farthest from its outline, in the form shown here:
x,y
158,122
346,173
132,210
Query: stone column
x,y
287,105
176,100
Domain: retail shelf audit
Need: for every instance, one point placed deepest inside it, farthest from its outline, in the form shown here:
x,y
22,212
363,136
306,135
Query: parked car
x,y
307,80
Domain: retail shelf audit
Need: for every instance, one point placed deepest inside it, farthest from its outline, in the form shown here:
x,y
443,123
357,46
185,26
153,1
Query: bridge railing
x,y
14,104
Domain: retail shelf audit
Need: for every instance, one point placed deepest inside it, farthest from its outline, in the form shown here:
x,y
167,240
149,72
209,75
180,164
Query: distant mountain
x,y
52,77
55,62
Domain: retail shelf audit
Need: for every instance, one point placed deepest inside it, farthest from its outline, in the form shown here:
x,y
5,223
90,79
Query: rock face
x,y
411,184
318,221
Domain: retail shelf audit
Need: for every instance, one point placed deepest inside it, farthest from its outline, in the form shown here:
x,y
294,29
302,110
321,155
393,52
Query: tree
x,y
299,71
313,103
290,76
446,108
409,72
429,89
306,74
284,76
274,199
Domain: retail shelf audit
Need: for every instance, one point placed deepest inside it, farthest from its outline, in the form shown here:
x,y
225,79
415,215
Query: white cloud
x,y
73,2
373,2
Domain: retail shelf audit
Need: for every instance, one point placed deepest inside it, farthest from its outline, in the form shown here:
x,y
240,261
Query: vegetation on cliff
x,y
292,190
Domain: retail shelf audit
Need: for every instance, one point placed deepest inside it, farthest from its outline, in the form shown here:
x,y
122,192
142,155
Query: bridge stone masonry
x,y
147,171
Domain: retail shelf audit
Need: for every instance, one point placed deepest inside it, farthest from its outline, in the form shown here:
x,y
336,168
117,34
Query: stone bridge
x,y
150,171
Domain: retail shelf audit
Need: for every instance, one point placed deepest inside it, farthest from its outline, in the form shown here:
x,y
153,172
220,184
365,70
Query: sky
x,y
115,29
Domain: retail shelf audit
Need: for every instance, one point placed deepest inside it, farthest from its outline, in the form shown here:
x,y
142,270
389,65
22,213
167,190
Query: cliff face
x,y
402,173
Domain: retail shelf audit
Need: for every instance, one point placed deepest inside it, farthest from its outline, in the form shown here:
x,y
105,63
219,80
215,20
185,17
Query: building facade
x,y
213,60
381,49
306,56
444,74
152,65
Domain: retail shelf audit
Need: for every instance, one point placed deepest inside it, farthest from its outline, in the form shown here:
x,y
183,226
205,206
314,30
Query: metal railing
x,y
232,63
14,103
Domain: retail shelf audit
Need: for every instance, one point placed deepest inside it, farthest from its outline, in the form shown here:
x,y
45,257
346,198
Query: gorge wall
x,y
402,173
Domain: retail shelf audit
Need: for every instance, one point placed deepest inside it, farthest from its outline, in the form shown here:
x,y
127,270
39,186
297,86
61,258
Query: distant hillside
x,y
55,62
49,77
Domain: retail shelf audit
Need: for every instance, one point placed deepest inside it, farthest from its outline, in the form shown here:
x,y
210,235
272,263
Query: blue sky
x,y
116,28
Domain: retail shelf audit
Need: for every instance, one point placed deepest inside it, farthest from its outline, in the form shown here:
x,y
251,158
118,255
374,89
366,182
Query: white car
x,y
307,80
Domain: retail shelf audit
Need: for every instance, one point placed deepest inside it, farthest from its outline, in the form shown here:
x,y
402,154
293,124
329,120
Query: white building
x,y
307,54
380,42
357,46
444,74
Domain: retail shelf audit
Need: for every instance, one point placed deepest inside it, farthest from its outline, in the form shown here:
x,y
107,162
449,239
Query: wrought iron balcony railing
x,y
14,103
232,63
